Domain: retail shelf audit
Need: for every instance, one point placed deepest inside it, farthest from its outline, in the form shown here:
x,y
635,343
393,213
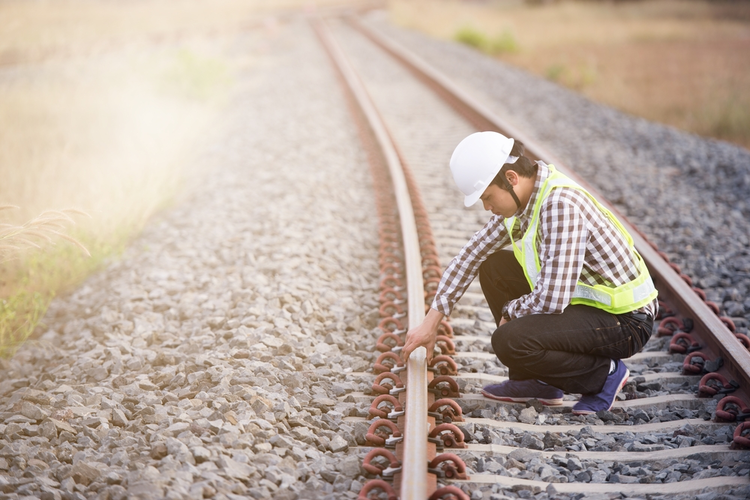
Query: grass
x,y
502,43
102,107
19,315
44,229
728,116
111,140
21,311
678,62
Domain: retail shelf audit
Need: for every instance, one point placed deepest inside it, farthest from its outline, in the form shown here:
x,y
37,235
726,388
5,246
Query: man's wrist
x,y
505,314
434,317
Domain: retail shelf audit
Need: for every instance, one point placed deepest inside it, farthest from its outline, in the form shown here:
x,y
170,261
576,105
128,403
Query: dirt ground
x,y
685,63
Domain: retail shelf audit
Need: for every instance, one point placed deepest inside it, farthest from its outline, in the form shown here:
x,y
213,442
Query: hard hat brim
x,y
473,197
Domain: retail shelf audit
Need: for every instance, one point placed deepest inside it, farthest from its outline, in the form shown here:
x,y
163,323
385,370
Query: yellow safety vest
x,y
613,299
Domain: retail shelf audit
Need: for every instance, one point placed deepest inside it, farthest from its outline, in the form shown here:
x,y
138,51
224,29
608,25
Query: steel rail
x,y
707,325
415,483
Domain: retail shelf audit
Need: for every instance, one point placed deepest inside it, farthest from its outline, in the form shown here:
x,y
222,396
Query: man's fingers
x,y
406,350
405,354
430,351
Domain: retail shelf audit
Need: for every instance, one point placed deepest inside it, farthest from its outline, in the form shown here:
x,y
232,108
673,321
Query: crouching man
x,y
569,293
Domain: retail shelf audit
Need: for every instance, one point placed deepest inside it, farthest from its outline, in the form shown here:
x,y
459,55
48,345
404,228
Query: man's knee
x,y
505,343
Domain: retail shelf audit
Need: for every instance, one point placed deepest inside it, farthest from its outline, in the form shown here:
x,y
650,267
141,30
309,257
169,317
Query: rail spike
x,y
744,340
390,324
451,466
451,391
380,388
377,484
669,325
451,435
732,408
382,346
713,306
432,272
390,308
683,343
380,365
375,410
375,453
451,410
445,329
664,311
444,365
448,493
390,294
707,390
445,344
740,438
729,323
375,438
697,363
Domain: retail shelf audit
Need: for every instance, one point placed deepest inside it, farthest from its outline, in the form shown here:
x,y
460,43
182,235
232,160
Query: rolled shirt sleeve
x,y
464,267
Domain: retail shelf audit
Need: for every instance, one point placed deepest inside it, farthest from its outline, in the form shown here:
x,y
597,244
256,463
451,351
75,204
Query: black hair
x,y
523,166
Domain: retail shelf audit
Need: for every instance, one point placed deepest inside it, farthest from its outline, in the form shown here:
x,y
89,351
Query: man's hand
x,y
423,335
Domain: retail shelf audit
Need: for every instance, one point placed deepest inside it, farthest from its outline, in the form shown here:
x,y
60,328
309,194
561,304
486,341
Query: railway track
x,y
670,434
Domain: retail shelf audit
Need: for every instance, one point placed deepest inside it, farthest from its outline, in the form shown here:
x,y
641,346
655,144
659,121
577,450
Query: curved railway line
x,y
428,446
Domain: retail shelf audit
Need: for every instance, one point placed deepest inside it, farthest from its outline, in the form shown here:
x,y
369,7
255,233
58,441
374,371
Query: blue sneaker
x,y
520,391
593,403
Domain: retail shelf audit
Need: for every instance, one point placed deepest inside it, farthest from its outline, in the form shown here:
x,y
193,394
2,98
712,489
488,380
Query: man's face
x,y
498,201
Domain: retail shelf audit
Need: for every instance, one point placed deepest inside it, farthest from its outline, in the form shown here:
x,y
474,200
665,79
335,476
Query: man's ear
x,y
512,177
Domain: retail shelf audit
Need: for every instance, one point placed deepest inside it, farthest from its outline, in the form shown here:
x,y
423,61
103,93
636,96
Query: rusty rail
x,y
414,477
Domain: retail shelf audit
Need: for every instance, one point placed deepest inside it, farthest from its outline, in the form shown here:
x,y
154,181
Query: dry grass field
x,y
685,63
102,107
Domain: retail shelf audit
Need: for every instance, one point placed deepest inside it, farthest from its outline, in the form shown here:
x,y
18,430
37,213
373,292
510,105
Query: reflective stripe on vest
x,y
614,299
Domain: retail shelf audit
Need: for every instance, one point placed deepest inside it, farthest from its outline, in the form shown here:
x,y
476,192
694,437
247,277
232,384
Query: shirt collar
x,y
542,173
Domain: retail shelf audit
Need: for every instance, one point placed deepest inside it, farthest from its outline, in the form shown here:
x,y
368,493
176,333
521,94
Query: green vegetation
x,y
471,37
729,120
555,72
19,315
504,43
37,271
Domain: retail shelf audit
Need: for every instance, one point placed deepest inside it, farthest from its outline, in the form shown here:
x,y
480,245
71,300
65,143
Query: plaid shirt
x,y
575,243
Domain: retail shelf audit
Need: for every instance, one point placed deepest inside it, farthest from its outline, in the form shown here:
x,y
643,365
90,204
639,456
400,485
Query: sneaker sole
x,y
622,384
545,402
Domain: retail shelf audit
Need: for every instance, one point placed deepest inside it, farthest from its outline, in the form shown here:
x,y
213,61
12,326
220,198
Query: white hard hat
x,y
476,161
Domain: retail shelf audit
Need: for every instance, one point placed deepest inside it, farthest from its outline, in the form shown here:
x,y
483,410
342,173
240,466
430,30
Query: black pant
x,y
570,351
